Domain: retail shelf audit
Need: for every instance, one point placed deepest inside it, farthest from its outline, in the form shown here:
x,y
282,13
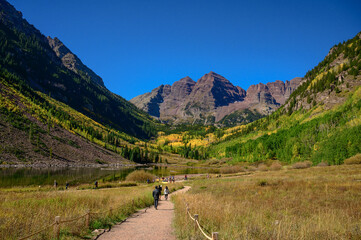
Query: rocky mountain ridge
x,y
212,98
71,61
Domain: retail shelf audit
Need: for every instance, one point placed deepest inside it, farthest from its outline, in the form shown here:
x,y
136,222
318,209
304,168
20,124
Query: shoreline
x,y
89,165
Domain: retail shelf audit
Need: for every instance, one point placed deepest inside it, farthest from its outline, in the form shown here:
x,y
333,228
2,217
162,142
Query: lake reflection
x,y
10,177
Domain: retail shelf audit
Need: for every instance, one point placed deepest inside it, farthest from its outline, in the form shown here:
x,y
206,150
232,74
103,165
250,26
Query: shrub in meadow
x,y
140,176
275,166
301,165
353,160
262,167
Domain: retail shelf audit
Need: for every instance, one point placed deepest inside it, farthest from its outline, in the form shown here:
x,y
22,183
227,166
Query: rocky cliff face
x,y
174,100
150,102
71,61
212,98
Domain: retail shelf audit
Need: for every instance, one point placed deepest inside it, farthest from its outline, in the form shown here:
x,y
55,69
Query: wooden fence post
x,y
87,218
195,221
214,236
57,227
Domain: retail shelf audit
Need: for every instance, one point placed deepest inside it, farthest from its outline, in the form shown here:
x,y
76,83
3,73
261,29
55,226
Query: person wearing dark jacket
x,y
156,197
160,192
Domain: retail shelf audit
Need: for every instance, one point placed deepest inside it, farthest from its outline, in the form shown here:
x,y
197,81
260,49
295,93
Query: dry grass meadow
x,y
312,203
26,210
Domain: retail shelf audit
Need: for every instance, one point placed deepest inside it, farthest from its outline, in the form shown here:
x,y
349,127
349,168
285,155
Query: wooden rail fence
x,y
57,222
197,225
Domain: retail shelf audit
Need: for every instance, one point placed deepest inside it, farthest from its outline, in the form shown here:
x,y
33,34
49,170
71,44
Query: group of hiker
x,y
157,194
169,179
66,184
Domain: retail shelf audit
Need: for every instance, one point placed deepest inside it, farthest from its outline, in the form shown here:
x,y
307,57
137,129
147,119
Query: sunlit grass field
x,y
313,203
26,210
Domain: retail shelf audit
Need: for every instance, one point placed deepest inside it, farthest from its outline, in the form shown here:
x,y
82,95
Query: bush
x,y
275,166
301,165
353,160
232,169
139,176
262,183
322,164
262,167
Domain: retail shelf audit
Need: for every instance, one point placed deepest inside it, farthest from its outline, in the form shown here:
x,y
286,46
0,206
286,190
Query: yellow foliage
x,y
198,142
176,144
274,131
161,141
355,122
315,147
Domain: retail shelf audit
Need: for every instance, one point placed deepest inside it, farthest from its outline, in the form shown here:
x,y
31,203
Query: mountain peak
x,y
186,79
211,97
213,73
212,78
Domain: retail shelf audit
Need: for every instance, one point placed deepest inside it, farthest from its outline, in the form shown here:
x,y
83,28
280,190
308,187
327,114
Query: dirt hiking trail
x,y
147,224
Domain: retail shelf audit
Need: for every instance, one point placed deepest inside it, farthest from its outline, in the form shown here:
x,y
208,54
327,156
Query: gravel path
x,y
149,224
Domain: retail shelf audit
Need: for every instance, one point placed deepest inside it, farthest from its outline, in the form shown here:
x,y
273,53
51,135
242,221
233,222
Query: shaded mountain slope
x,y
26,55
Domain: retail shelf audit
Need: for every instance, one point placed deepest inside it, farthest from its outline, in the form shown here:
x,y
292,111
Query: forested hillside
x,y
26,58
37,129
320,122
54,110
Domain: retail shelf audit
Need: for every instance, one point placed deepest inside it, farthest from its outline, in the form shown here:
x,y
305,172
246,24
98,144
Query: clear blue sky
x,y
136,45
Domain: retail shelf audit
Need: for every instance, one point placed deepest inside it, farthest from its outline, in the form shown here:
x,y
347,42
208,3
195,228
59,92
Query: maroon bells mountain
x,y
212,98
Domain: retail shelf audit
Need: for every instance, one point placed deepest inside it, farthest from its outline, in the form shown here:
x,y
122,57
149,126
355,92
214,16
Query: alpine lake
x,y
13,177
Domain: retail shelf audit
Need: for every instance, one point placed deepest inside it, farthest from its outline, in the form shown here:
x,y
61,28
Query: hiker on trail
x,y
166,192
55,184
96,184
148,181
156,197
66,185
160,192
173,179
185,177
